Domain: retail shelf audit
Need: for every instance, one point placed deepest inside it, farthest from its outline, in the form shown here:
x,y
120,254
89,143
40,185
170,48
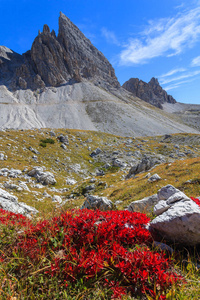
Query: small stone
x,y
63,146
57,199
96,152
70,181
154,178
92,180
95,202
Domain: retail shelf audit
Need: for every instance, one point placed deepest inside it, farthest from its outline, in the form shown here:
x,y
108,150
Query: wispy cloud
x,y
172,72
110,36
163,37
196,62
178,78
177,85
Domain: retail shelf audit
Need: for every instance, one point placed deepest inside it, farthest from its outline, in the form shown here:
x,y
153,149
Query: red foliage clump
x,y
111,247
9,218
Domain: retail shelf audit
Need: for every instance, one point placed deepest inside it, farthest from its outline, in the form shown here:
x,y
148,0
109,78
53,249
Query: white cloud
x,y
196,62
172,72
177,84
184,76
110,36
163,37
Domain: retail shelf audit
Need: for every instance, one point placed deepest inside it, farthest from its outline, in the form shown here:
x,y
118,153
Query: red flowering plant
x,y
10,224
111,248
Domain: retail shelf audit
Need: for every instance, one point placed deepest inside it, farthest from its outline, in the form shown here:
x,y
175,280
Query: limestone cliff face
x,y
55,60
150,92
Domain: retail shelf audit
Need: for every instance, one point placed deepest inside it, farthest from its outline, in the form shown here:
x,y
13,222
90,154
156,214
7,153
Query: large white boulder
x,y
45,178
178,217
10,203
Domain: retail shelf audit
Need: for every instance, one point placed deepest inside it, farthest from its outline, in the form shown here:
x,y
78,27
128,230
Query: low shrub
x,y
44,142
87,248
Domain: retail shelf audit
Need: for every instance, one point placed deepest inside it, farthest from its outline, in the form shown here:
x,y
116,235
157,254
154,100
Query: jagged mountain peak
x,y
54,60
63,81
150,92
153,81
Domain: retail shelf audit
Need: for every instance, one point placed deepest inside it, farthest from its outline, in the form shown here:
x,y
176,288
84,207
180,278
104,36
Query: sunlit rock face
x,y
150,92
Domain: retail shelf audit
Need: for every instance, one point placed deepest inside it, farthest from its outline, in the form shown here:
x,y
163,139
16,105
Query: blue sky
x,y
143,39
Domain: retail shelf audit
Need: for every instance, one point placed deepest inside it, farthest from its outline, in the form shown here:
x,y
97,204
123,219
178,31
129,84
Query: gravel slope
x,y
85,106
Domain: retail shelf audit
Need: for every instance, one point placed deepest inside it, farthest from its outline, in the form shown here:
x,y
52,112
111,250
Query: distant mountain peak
x,y
150,92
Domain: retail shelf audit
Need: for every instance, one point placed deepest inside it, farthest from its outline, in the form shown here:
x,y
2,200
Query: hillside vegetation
x,y
30,247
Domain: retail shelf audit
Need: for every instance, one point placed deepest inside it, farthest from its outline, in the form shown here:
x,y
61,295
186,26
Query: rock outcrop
x,y
147,162
178,217
150,92
10,203
55,60
42,177
63,81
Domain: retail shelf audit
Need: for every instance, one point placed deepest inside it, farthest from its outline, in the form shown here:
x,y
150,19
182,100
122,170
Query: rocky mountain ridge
x,y
65,82
150,92
55,60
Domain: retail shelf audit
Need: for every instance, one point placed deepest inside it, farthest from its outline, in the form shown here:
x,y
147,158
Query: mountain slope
x,y
85,106
65,82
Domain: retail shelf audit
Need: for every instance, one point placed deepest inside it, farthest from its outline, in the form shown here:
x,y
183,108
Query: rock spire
x,y
54,60
150,92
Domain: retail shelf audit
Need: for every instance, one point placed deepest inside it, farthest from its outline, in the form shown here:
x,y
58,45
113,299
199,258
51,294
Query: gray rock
x,y
12,186
90,187
63,139
45,178
34,157
181,154
150,92
70,181
57,199
118,163
24,186
154,178
13,173
178,217
10,203
34,150
53,60
92,180
177,197
144,165
52,133
144,205
63,146
3,156
95,202
100,173
167,191
160,207
107,166
45,194
96,152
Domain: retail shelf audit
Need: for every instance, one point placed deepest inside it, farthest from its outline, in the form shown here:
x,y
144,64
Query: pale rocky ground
x,y
86,106
189,113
